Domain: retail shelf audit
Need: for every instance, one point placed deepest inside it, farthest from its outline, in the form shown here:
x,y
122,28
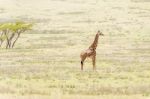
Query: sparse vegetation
x,y
45,61
10,33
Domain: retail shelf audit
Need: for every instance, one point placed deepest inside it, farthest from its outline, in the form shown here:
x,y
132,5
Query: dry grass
x,y
7,96
46,59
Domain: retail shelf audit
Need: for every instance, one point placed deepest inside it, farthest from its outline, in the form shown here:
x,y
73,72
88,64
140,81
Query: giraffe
x,y
91,51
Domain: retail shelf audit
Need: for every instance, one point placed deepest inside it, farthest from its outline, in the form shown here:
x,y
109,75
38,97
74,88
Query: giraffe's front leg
x,y
94,62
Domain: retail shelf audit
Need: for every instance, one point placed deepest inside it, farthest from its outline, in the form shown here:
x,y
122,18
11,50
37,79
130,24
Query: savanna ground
x,y
45,62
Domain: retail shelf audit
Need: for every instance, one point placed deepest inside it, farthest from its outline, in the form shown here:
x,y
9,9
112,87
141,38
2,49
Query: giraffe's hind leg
x,y
81,65
82,61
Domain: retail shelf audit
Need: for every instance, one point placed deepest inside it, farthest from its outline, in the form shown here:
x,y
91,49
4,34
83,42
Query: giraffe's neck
x,y
95,42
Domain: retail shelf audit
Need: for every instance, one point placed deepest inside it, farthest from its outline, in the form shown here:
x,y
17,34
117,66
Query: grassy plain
x,y
45,61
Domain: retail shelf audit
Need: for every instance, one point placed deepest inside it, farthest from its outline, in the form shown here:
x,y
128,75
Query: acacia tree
x,y
10,32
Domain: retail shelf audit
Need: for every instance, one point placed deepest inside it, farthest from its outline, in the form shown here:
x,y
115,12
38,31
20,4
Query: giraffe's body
x,y
91,52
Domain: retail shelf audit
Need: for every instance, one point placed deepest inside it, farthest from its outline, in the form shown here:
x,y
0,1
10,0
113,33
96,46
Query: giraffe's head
x,y
100,33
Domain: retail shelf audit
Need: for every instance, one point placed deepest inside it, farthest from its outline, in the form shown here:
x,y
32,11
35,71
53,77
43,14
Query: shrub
x,y
10,33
